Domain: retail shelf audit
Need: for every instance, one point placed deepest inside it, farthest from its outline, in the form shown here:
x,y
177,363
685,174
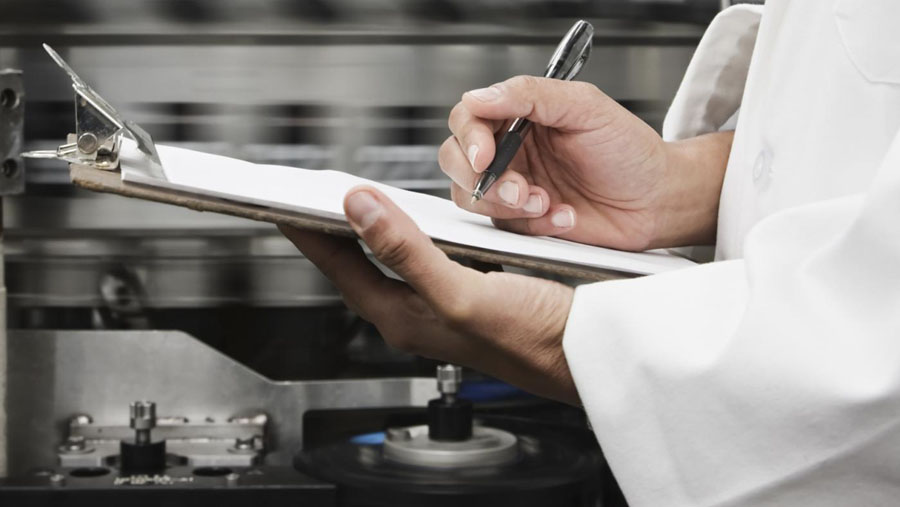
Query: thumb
x,y
570,105
397,242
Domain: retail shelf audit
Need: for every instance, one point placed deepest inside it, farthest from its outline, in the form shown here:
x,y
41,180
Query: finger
x,y
554,103
397,242
558,220
536,204
346,265
511,189
474,135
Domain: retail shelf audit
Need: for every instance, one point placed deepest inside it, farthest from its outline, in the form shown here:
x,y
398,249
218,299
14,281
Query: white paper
x,y
321,193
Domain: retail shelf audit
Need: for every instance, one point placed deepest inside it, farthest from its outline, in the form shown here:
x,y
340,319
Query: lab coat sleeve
x,y
770,380
709,97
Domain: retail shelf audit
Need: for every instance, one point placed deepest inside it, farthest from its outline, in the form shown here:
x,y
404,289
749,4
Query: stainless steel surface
x,y
12,118
487,447
59,375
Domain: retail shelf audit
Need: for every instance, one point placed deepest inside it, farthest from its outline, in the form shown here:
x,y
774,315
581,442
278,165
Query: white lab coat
x,y
771,377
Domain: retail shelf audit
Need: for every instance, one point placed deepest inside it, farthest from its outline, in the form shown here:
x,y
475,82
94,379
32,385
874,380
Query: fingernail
x,y
489,94
363,210
534,204
509,192
473,152
563,219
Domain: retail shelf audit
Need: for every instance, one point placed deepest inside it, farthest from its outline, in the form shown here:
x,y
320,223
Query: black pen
x,y
568,59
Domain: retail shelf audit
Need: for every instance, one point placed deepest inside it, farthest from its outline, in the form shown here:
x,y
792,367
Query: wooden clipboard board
x,y
111,182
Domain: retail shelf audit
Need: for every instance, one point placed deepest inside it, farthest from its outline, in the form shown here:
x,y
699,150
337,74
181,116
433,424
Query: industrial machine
x,y
157,355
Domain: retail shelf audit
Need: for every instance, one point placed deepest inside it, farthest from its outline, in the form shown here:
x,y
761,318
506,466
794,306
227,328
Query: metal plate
x,y
12,114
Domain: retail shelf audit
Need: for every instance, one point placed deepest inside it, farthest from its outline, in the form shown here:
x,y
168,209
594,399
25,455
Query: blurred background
x,y
363,86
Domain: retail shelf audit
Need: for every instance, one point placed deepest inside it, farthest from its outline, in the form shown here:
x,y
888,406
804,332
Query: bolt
x,y
87,142
448,379
9,99
232,479
74,443
81,420
58,480
243,444
142,419
10,168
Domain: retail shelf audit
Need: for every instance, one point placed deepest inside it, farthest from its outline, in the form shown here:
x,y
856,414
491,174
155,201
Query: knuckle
x,y
395,250
456,309
523,82
583,87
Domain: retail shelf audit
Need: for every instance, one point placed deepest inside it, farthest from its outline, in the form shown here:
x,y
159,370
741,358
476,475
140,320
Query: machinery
x,y
159,355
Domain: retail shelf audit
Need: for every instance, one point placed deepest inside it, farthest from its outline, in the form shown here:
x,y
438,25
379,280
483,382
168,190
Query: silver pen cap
x,y
572,52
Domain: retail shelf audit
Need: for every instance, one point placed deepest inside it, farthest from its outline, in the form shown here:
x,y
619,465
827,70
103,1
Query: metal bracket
x,y
239,441
98,130
12,108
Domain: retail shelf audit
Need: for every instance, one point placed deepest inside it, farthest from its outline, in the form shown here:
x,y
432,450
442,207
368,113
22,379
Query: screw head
x,y
81,420
88,142
58,480
243,444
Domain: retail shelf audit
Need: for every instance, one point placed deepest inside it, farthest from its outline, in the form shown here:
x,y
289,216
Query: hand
x,y
589,171
508,326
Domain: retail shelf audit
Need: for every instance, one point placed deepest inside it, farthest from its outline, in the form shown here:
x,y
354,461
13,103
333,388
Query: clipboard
x,y
99,180
93,155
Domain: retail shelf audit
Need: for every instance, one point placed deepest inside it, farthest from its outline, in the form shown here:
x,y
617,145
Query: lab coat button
x,y
762,168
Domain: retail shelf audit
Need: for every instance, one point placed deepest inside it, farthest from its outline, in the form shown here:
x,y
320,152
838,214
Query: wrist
x,y
689,205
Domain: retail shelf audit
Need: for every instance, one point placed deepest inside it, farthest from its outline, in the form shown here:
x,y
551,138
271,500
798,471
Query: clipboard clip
x,y
99,128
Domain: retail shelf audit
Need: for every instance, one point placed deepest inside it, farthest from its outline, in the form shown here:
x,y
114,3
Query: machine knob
x,y
143,415
143,455
448,379
449,417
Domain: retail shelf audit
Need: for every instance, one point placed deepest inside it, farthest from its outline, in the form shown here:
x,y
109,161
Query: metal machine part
x,y
12,119
450,440
141,454
449,417
239,441
142,419
547,469
12,181
98,373
485,447
449,377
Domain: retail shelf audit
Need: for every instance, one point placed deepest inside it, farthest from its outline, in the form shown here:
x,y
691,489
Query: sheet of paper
x,y
321,193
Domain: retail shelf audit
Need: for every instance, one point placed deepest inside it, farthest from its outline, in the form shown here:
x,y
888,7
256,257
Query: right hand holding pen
x,y
589,171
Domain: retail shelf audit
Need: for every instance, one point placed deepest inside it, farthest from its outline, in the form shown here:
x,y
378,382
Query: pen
x,y
568,59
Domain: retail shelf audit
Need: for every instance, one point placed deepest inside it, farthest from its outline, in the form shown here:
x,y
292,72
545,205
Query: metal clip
x,y
98,131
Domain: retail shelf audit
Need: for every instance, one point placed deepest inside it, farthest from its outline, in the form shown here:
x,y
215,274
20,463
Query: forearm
x,y
695,169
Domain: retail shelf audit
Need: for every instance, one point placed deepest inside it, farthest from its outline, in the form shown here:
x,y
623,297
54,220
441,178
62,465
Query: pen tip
x,y
474,199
